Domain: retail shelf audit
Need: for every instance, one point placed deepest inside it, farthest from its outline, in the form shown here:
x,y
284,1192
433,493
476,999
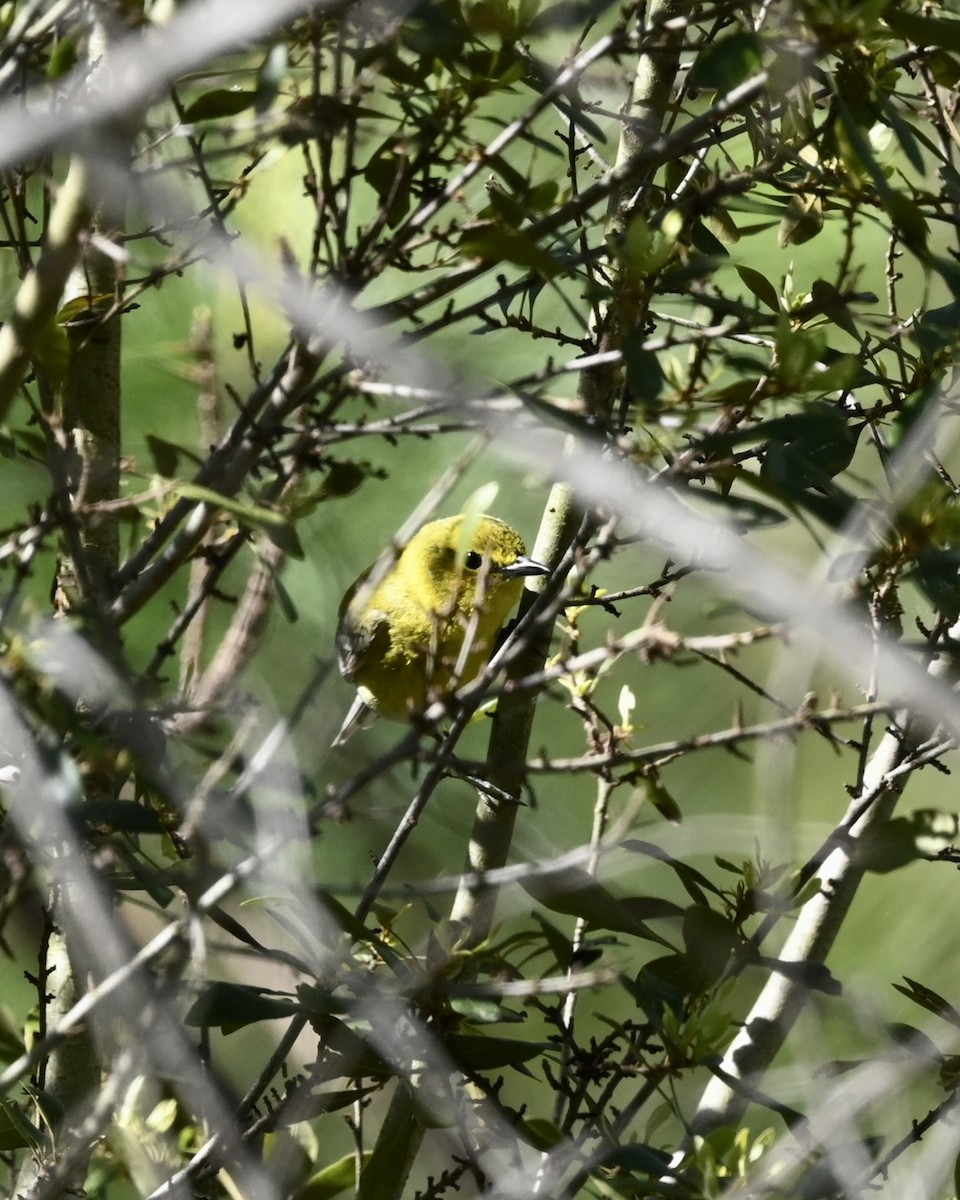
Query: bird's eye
x,y
474,560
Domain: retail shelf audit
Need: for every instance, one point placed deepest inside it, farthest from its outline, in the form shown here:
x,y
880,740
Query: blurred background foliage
x,y
375,253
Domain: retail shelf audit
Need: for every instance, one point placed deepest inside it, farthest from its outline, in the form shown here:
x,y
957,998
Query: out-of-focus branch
x,y
783,997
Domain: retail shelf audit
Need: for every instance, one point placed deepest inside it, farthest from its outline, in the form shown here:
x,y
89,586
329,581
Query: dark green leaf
x,y
396,1144
638,1159
709,941
727,62
123,815
761,287
498,243
905,135
16,1131
655,989
914,1041
475,1052
922,30
543,1135
232,1005
577,893
802,221
651,908
937,572
560,945
645,376
481,1010
218,103
707,242
944,68
908,221
936,330
743,513
308,1108
691,879
930,1000
165,455
287,540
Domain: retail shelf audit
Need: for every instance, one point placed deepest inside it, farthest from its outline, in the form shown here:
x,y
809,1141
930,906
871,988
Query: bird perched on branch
x,y
431,622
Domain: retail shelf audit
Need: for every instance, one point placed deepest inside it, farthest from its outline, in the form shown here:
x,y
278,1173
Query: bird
x,y
431,622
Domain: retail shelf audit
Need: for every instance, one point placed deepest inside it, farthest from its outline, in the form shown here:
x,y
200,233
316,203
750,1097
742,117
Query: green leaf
x,y
922,30
247,514
165,455
340,1176
645,376
798,350
318,1002
11,1038
944,68
491,17
819,444
694,882
347,1053
220,102
499,243
124,815
560,945
286,538
656,993
761,287
652,908
62,59
638,1159
905,135
675,976
481,1010
541,1134
727,62
331,1100
576,893
396,1146
937,573
937,330
707,242
16,1131
914,1041
743,513
930,1000
907,219
230,1006
655,792
802,221
709,941
477,1052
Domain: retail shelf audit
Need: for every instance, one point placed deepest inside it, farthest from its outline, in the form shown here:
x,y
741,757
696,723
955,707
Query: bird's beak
x,y
524,566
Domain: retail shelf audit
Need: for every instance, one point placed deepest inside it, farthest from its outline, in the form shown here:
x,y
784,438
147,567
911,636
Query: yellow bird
x,y
432,621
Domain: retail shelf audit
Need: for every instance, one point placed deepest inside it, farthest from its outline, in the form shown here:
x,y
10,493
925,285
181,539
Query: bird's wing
x,y
359,641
